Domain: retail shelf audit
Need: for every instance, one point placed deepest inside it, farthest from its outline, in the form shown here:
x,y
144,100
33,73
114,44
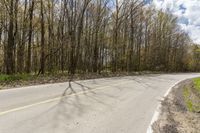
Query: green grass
x,y
16,77
192,99
188,101
197,84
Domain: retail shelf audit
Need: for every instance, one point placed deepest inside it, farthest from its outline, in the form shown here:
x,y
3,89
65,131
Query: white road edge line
x,y
158,111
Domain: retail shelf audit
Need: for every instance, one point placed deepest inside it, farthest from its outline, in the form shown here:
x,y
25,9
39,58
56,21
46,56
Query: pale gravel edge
x,y
158,109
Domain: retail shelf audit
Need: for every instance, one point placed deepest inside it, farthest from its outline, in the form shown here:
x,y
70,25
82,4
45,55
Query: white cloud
x,y
188,11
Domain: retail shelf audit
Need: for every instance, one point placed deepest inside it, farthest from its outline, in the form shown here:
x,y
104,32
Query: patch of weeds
x,y
197,84
192,100
188,101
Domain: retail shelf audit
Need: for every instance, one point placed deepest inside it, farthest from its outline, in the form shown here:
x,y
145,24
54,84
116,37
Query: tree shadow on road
x,y
70,88
61,113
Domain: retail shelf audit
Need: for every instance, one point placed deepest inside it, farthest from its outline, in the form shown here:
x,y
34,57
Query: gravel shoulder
x,y
177,116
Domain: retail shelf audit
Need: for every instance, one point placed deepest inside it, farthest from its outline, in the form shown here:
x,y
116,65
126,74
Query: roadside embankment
x,y
180,111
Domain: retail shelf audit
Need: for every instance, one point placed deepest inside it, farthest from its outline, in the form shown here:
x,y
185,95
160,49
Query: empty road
x,y
109,105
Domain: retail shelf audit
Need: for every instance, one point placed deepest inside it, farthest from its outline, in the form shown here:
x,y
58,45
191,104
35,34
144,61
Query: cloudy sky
x,y
187,11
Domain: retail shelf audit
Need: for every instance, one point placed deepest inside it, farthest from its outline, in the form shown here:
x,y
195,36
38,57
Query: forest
x,y
92,36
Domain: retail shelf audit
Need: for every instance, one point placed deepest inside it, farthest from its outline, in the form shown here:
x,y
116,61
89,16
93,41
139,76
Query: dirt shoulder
x,y
180,112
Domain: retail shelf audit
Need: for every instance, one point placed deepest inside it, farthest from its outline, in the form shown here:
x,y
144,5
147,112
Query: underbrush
x,y
16,77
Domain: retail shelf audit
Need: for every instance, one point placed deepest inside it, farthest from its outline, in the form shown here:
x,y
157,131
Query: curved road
x,y
110,105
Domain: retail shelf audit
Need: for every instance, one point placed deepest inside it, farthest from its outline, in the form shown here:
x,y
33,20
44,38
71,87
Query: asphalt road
x,y
110,105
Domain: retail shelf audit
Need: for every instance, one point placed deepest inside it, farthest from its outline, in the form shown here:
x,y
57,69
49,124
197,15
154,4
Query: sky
x,y
187,11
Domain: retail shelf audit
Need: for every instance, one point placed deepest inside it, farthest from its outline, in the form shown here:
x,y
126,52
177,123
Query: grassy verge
x,y
197,84
17,77
192,96
187,99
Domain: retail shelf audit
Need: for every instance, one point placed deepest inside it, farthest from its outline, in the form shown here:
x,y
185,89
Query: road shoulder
x,y
176,115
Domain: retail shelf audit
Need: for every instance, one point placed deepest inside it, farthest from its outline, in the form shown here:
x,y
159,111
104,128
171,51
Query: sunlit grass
x,y
188,101
191,97
197,84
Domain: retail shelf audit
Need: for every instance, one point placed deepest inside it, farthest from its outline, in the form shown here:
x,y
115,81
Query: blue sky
x,y
187,11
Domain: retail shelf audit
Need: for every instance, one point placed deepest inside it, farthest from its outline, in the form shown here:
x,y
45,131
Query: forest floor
x,y
180,111
21,80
